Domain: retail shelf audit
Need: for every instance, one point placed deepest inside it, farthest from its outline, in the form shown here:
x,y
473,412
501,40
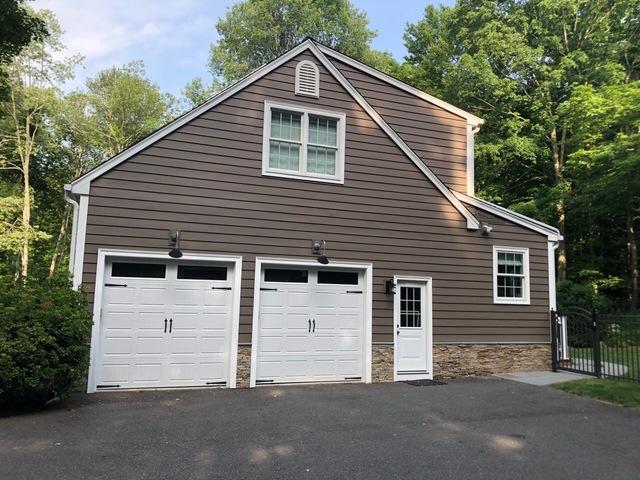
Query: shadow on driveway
x,y
476,428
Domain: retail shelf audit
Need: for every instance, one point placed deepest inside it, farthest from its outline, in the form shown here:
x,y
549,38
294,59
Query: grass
x,y
627,355
619,392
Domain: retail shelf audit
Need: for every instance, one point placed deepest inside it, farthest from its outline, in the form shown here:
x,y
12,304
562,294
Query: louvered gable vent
x,y
307,79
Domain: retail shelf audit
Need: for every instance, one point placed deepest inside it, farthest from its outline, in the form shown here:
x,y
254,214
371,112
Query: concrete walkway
x,y
542,377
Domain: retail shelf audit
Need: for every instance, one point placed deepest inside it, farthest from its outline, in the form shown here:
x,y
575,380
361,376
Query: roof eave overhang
x,y
552,233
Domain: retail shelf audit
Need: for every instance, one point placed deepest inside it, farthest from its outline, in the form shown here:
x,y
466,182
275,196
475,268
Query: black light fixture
x,y
174,241
319,247
486,229
389,287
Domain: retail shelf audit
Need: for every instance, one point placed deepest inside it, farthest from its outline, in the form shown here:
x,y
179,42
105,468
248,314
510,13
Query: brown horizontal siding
x,y
205,179
394,105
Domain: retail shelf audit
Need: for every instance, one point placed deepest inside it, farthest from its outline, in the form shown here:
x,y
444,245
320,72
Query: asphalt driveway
x,y
467,429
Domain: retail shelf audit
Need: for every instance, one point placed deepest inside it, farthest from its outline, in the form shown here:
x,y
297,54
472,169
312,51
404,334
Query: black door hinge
x,y
220,288
268,289
264,381
353,378
216,383
354,291
107,386
115,284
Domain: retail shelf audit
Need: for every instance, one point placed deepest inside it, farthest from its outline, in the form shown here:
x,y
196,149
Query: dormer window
x,y
307,79
303,143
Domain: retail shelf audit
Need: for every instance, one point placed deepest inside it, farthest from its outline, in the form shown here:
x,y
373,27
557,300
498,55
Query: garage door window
x,y
201,272
286,275
138,270
337,278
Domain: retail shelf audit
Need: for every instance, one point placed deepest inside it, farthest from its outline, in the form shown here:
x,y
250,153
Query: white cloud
x,y
160,32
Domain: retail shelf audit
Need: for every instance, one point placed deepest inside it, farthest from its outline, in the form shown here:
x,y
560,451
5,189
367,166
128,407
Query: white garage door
x,y
164,324
311,323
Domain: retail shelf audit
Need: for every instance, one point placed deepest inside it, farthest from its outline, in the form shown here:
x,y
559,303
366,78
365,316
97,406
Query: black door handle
x,y
314,325
170,324
309,325
165,325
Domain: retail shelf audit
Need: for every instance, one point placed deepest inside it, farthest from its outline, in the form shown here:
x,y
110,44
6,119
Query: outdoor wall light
x,y
486,229
174,241
319,247
389,287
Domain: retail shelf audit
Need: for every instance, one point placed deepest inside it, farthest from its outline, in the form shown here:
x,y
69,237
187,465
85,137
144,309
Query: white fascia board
x,y
550,232
469,117
81,185
472,222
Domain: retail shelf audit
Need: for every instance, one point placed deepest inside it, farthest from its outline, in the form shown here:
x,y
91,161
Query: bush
x,y
45,328
571,294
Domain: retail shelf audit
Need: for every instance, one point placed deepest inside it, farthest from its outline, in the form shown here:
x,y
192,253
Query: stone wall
x,y
244,366
382,364
450,361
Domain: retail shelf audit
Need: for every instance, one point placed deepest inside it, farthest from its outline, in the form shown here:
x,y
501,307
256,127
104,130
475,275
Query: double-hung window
x,y
511,275
303,143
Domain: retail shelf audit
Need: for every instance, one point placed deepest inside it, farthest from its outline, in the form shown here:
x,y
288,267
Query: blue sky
x,y
172,37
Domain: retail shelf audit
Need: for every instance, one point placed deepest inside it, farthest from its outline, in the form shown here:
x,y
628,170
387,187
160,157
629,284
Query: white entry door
x,y
311,325
412,330
164,324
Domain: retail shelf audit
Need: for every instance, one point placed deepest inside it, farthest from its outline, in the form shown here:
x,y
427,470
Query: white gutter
x,y
78,232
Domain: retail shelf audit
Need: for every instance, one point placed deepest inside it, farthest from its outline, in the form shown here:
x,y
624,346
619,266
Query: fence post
x,y
597,364
554,341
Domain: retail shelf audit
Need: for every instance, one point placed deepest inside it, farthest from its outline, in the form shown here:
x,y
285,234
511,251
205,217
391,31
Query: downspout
x,y
74,227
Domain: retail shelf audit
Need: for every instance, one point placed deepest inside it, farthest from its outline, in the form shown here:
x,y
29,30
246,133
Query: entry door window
x,y
410,307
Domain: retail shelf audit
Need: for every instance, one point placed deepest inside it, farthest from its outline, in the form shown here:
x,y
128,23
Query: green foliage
x,y
124,106
255,32
572,294
44,333
18,28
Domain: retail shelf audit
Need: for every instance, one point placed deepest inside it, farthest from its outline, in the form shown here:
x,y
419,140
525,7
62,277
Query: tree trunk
x,y
633,261
62,233
26,221
557,154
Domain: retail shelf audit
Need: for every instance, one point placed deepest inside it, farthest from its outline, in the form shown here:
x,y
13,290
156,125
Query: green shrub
x,y
571,294
44,340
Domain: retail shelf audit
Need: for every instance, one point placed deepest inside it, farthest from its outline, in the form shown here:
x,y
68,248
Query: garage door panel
x,y
118,345
290,349
149,345
136,349
214,345
148,372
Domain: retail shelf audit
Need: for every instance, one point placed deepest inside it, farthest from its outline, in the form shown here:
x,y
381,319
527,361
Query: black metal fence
x,y
594,343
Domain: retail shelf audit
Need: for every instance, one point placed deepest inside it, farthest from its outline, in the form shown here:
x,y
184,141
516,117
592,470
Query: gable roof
x,y
552,233
82,184
471,119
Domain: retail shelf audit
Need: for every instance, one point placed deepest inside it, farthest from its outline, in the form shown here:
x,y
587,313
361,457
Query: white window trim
x,y
316,93
526,300
301,174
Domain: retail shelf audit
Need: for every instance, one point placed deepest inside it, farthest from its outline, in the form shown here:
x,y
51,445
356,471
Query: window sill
x,y
504,301
299,176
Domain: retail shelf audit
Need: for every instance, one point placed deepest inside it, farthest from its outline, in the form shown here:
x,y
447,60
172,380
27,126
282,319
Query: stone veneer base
x,y
449,360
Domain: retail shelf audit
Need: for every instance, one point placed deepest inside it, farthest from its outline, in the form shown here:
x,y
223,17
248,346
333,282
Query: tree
x,y
605,127
34,77
18,28
254,32
125,106
514,63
